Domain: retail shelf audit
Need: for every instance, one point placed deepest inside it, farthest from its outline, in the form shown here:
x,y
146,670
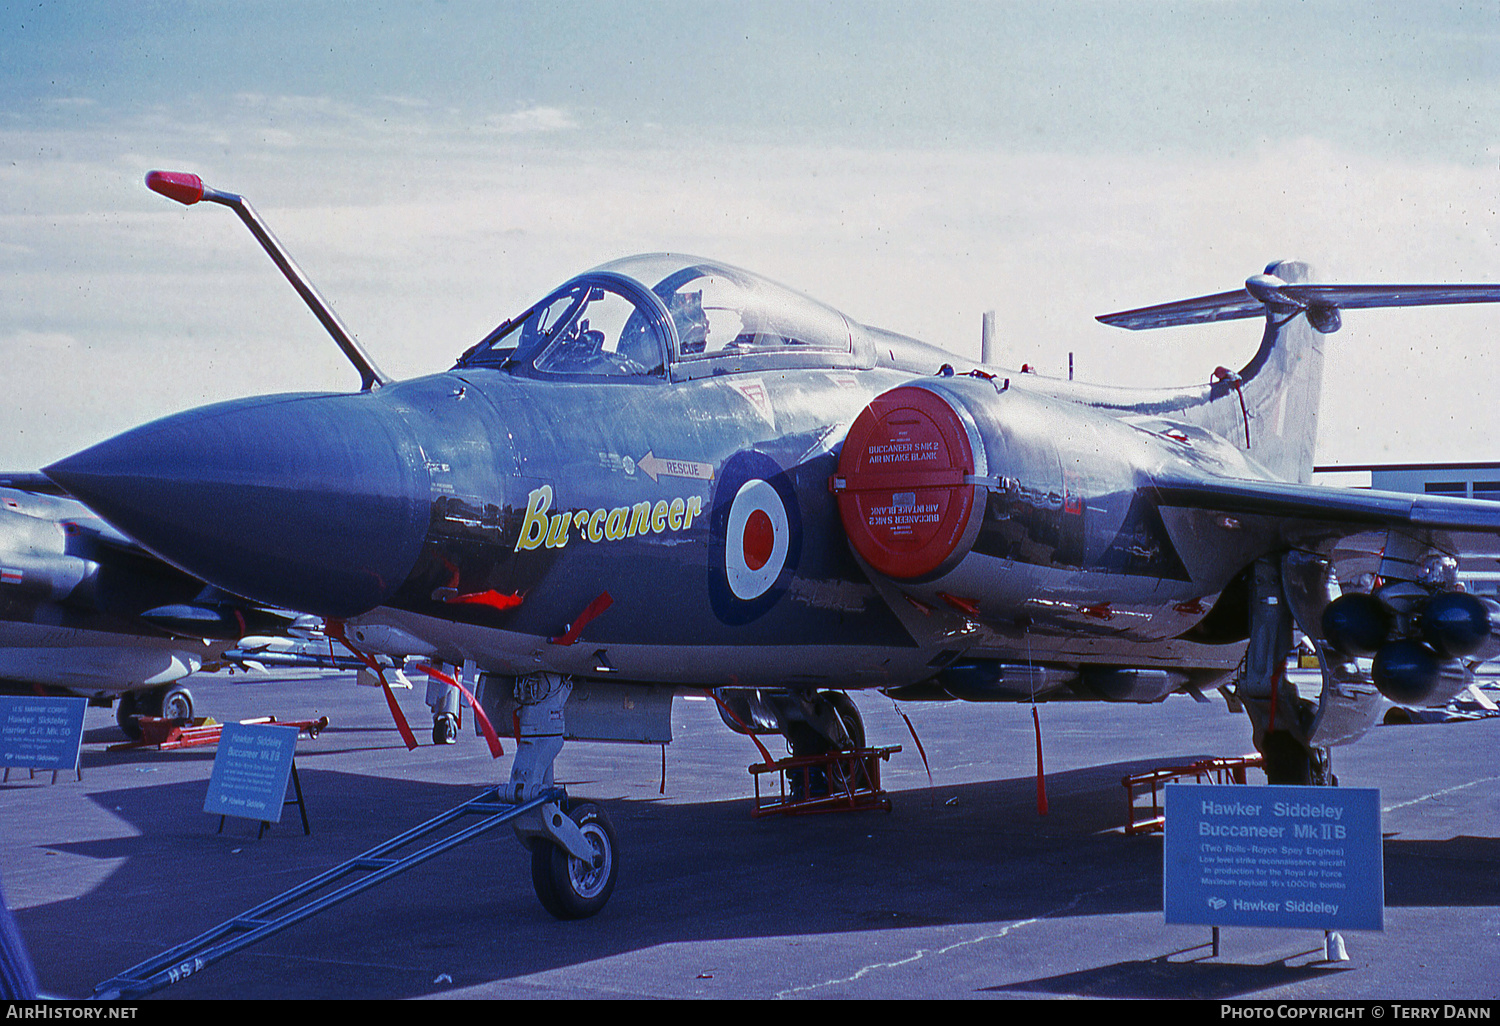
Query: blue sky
x,y
1090,76
434,166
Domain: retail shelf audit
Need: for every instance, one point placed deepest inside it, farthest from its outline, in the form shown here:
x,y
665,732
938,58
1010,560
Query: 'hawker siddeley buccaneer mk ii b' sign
x,y
1273,856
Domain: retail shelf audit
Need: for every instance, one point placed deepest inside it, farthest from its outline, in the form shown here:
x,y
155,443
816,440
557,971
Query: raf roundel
x,y
756,534
755,540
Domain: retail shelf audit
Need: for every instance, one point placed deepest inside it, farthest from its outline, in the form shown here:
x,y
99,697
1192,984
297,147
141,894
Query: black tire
x,y
126,710
445,729
849,716
570,888
805,740
1287,761
854,726
173,702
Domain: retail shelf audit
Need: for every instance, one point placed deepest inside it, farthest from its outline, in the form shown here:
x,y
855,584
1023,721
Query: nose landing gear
x,y
574,860
570,887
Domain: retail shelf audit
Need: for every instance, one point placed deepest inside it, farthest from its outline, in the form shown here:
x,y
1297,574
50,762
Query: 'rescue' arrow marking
x,y
654,467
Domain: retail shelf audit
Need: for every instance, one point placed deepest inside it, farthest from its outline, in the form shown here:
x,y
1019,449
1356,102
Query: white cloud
x,y
50,343
532,119
425,232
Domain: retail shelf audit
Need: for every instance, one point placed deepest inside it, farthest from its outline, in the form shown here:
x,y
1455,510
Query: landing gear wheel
x,y
126,710
854,726
831,712
848,714
173,703
571,888
1286,760
445,729
1289,761
806,781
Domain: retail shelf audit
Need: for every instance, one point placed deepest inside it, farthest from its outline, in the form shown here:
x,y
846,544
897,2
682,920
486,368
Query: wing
x,y
1324,517
1317,507
33,483
35,496
1353,528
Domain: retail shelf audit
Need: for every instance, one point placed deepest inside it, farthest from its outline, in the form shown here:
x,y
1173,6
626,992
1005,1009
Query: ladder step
x,y
244,923
488,808
370,863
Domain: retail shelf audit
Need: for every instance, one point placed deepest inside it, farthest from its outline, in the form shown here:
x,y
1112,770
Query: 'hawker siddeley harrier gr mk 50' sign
x,y
1273,856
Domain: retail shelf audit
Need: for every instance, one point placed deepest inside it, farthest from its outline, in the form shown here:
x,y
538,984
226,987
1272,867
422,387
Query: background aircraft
x,y
86,611
671,472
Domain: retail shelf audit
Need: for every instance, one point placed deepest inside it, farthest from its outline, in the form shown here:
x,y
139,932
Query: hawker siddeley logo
x,y
544,528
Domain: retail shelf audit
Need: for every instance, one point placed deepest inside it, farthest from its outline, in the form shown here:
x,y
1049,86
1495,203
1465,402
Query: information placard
x,y
41,733
251,770
1277,856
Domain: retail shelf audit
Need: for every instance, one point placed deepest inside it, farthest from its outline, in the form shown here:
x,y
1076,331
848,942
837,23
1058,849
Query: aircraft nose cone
x,y
317,503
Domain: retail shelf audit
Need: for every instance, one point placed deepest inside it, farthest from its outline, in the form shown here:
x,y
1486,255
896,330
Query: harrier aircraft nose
x,y
311,502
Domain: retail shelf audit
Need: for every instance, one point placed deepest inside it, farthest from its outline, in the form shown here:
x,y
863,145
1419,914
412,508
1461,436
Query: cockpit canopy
x,y
665,315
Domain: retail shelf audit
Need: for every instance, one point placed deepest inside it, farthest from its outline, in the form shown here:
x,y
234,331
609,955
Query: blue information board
x,y
251,770
41,733
1281,856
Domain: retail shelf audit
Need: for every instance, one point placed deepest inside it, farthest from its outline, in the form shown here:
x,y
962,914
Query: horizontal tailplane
x,y
1270,406
1264,292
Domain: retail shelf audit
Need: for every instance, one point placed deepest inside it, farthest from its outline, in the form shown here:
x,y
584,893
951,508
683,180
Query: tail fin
x,y
1270,407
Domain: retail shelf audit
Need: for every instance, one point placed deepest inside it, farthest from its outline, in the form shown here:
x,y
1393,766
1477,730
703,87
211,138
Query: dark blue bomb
x,y
672,473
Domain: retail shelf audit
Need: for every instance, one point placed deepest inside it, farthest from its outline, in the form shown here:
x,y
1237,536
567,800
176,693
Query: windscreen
x,y
592,327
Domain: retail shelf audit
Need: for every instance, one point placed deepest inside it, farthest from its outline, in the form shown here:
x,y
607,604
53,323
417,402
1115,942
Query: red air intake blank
x,y
902,484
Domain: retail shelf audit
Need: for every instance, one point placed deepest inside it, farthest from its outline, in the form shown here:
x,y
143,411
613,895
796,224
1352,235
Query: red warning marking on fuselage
x,y
491,598
755,393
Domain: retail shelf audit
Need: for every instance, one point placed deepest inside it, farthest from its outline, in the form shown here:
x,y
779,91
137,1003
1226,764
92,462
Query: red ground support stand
x,y
1217,771
834,782
166,735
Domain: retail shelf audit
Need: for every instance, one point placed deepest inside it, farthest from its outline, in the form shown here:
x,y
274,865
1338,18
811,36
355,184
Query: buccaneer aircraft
x,y
673,473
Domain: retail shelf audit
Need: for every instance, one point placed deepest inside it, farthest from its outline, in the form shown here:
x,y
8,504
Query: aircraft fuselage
x,y
541,499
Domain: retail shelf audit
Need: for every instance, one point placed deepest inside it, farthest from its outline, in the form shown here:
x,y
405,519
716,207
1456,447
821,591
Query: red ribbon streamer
x,y
593,609
491,598
484,721
913,732
335,629
1041,781
749,733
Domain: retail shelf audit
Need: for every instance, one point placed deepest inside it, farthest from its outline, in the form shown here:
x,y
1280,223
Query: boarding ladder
x,y
1152,783
377,865
835,781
